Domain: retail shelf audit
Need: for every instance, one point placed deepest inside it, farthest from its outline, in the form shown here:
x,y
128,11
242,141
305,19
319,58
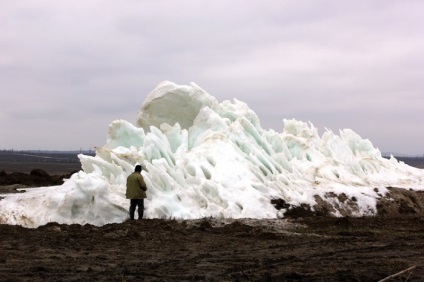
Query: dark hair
x,y
138,168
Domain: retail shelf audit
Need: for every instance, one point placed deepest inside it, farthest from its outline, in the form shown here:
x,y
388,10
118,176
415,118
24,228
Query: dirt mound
x,y
401,201
397,201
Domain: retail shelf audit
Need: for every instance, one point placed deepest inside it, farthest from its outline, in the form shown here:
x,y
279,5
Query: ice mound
x,y
202,158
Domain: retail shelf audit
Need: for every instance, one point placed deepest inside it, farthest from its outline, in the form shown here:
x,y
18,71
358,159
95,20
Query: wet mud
x,y
302,249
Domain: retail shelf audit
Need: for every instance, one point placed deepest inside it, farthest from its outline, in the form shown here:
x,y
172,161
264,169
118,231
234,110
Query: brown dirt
x,y
307,248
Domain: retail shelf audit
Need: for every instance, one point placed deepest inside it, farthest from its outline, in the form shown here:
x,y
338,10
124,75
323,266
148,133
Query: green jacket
x,y
136,187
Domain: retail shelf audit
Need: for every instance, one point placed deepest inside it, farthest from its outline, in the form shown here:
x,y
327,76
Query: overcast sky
x,y
70,68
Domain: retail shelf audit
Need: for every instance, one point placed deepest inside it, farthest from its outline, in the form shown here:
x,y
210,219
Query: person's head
x,y
137,168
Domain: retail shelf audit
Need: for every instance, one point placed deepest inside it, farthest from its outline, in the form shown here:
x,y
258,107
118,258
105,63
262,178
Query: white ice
x,y
202,158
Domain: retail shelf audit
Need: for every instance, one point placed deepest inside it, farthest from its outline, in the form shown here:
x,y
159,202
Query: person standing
x,y
136,192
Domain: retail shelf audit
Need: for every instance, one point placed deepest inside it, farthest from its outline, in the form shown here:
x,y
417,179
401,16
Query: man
x,y
136,192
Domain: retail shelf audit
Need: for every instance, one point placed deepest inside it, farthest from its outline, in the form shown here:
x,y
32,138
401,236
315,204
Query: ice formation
x,y
202,158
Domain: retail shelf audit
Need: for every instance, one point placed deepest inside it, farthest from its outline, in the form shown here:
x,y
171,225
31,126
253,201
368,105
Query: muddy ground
x,y
311,248
307,249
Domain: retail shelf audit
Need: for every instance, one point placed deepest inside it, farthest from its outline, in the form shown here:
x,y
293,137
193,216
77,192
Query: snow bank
x,y
202,158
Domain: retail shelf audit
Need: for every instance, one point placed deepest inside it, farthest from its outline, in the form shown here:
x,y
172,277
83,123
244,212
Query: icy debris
x,y
202,158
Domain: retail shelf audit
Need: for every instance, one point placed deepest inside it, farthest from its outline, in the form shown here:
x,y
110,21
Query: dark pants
x,y
133,205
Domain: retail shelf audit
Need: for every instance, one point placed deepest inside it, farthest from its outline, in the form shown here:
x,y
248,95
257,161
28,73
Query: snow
x,y
202,158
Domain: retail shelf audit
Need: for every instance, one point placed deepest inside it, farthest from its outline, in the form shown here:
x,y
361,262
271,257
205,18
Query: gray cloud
x,y
75,66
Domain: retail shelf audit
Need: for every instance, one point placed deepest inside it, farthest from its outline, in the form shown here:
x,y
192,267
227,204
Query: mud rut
x,y
308,249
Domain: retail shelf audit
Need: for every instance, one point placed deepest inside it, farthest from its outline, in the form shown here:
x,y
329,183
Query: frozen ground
x,y
308,249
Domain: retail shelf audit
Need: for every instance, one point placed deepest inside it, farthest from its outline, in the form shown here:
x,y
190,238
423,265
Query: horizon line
x,y
383,154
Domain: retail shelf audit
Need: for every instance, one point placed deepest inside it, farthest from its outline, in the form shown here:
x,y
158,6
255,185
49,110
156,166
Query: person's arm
x,y
142,183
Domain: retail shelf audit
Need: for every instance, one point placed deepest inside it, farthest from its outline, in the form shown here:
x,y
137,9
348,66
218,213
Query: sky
x,y
70,68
